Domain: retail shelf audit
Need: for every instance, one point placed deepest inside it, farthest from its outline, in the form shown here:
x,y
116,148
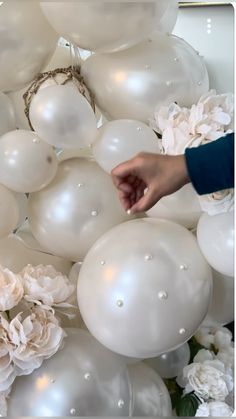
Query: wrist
x,y
182,170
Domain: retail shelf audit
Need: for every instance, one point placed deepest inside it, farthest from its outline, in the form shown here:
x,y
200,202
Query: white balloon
x,y
62,58
139,280
150,395
131,84
7,115
80,205
215,236
182,207
168,20
9,212
22,202
104,26
171,364
26,44
75,152
119,141
62,117
27,163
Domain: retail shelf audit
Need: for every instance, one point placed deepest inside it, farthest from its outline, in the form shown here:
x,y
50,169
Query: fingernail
x,y
129,212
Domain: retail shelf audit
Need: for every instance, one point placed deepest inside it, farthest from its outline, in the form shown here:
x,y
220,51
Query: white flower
x,y
205,336
209,379
44,285
223,338
203,355
219,337
11,289
214,409
226,356
3,404
7,371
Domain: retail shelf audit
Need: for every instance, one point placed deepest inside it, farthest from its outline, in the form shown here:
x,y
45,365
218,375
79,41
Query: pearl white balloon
x,y
62,117
22,202
82,379
119,141
80,205
168,20
215,236
75,152
150,395
7,115
26,44
182,207
27,163
104,26
9,211
171,364
131,84
139,280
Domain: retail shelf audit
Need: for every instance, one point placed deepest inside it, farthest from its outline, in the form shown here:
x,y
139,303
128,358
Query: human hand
x,y
145,179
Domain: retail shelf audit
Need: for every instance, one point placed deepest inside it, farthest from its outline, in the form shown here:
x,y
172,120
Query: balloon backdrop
x,y
171,364
150,395
182,207
81,204
119,141
131,84
27,42
104,26
7,114
139,280
82,379
215,236
9,211
27,163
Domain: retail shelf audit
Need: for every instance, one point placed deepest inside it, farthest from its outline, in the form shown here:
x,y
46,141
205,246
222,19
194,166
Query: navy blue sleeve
x,y
211,166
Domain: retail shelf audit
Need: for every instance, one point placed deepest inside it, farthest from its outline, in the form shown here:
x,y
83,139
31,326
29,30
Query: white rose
x,y
214,409
11,289
43,284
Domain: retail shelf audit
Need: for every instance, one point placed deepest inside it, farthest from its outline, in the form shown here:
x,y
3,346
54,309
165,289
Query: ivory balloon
x,y
171,364
139,280
131,84
79,206
82,379
215,236
150,395
9,211
119,141
7,115
182,207
104,26
26,44
62,117
27,163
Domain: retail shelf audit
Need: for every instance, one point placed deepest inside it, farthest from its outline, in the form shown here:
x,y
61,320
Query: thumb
x,y
147,201
122,171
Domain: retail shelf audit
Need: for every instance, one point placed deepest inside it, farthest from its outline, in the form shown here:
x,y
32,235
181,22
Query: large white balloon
x,y
182,207
131,84
27,163
80,205
215,236
9,211
104,25
119,141
7,114
27,42
62,117
81,379
150,395
138,282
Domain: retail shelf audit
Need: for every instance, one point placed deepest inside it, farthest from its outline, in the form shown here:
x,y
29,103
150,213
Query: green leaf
x,y
187,406
175,391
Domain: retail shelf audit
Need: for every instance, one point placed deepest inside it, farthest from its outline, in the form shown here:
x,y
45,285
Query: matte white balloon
x,y
82,379
119,141
171,364
168,20
27,163
9,211
215,236
182,207
27,42
62,117
104,26
138,282
80,205
150,395
7,115
131,84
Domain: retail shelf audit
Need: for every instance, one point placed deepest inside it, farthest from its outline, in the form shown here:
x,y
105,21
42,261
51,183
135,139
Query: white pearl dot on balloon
x,y
80,185
72,411
94,213
121,404
182,331
103,262
148,258
87,376
120,303
169,83
183,267
163,295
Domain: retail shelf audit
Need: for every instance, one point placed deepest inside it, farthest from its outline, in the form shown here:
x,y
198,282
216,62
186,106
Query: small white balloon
x,y
27,163
9,212
62,117
7,114
215,236
119,141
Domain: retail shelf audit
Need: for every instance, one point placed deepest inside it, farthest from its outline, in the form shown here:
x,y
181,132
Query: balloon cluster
x,y
145,285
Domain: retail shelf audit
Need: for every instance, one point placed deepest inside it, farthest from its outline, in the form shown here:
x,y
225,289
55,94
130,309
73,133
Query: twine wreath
x,y
69,74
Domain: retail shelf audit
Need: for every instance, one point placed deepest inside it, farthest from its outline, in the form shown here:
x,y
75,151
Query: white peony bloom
x,y
203,355
214,409
44,285
7,371
226,356
223,338
11,289
205,336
